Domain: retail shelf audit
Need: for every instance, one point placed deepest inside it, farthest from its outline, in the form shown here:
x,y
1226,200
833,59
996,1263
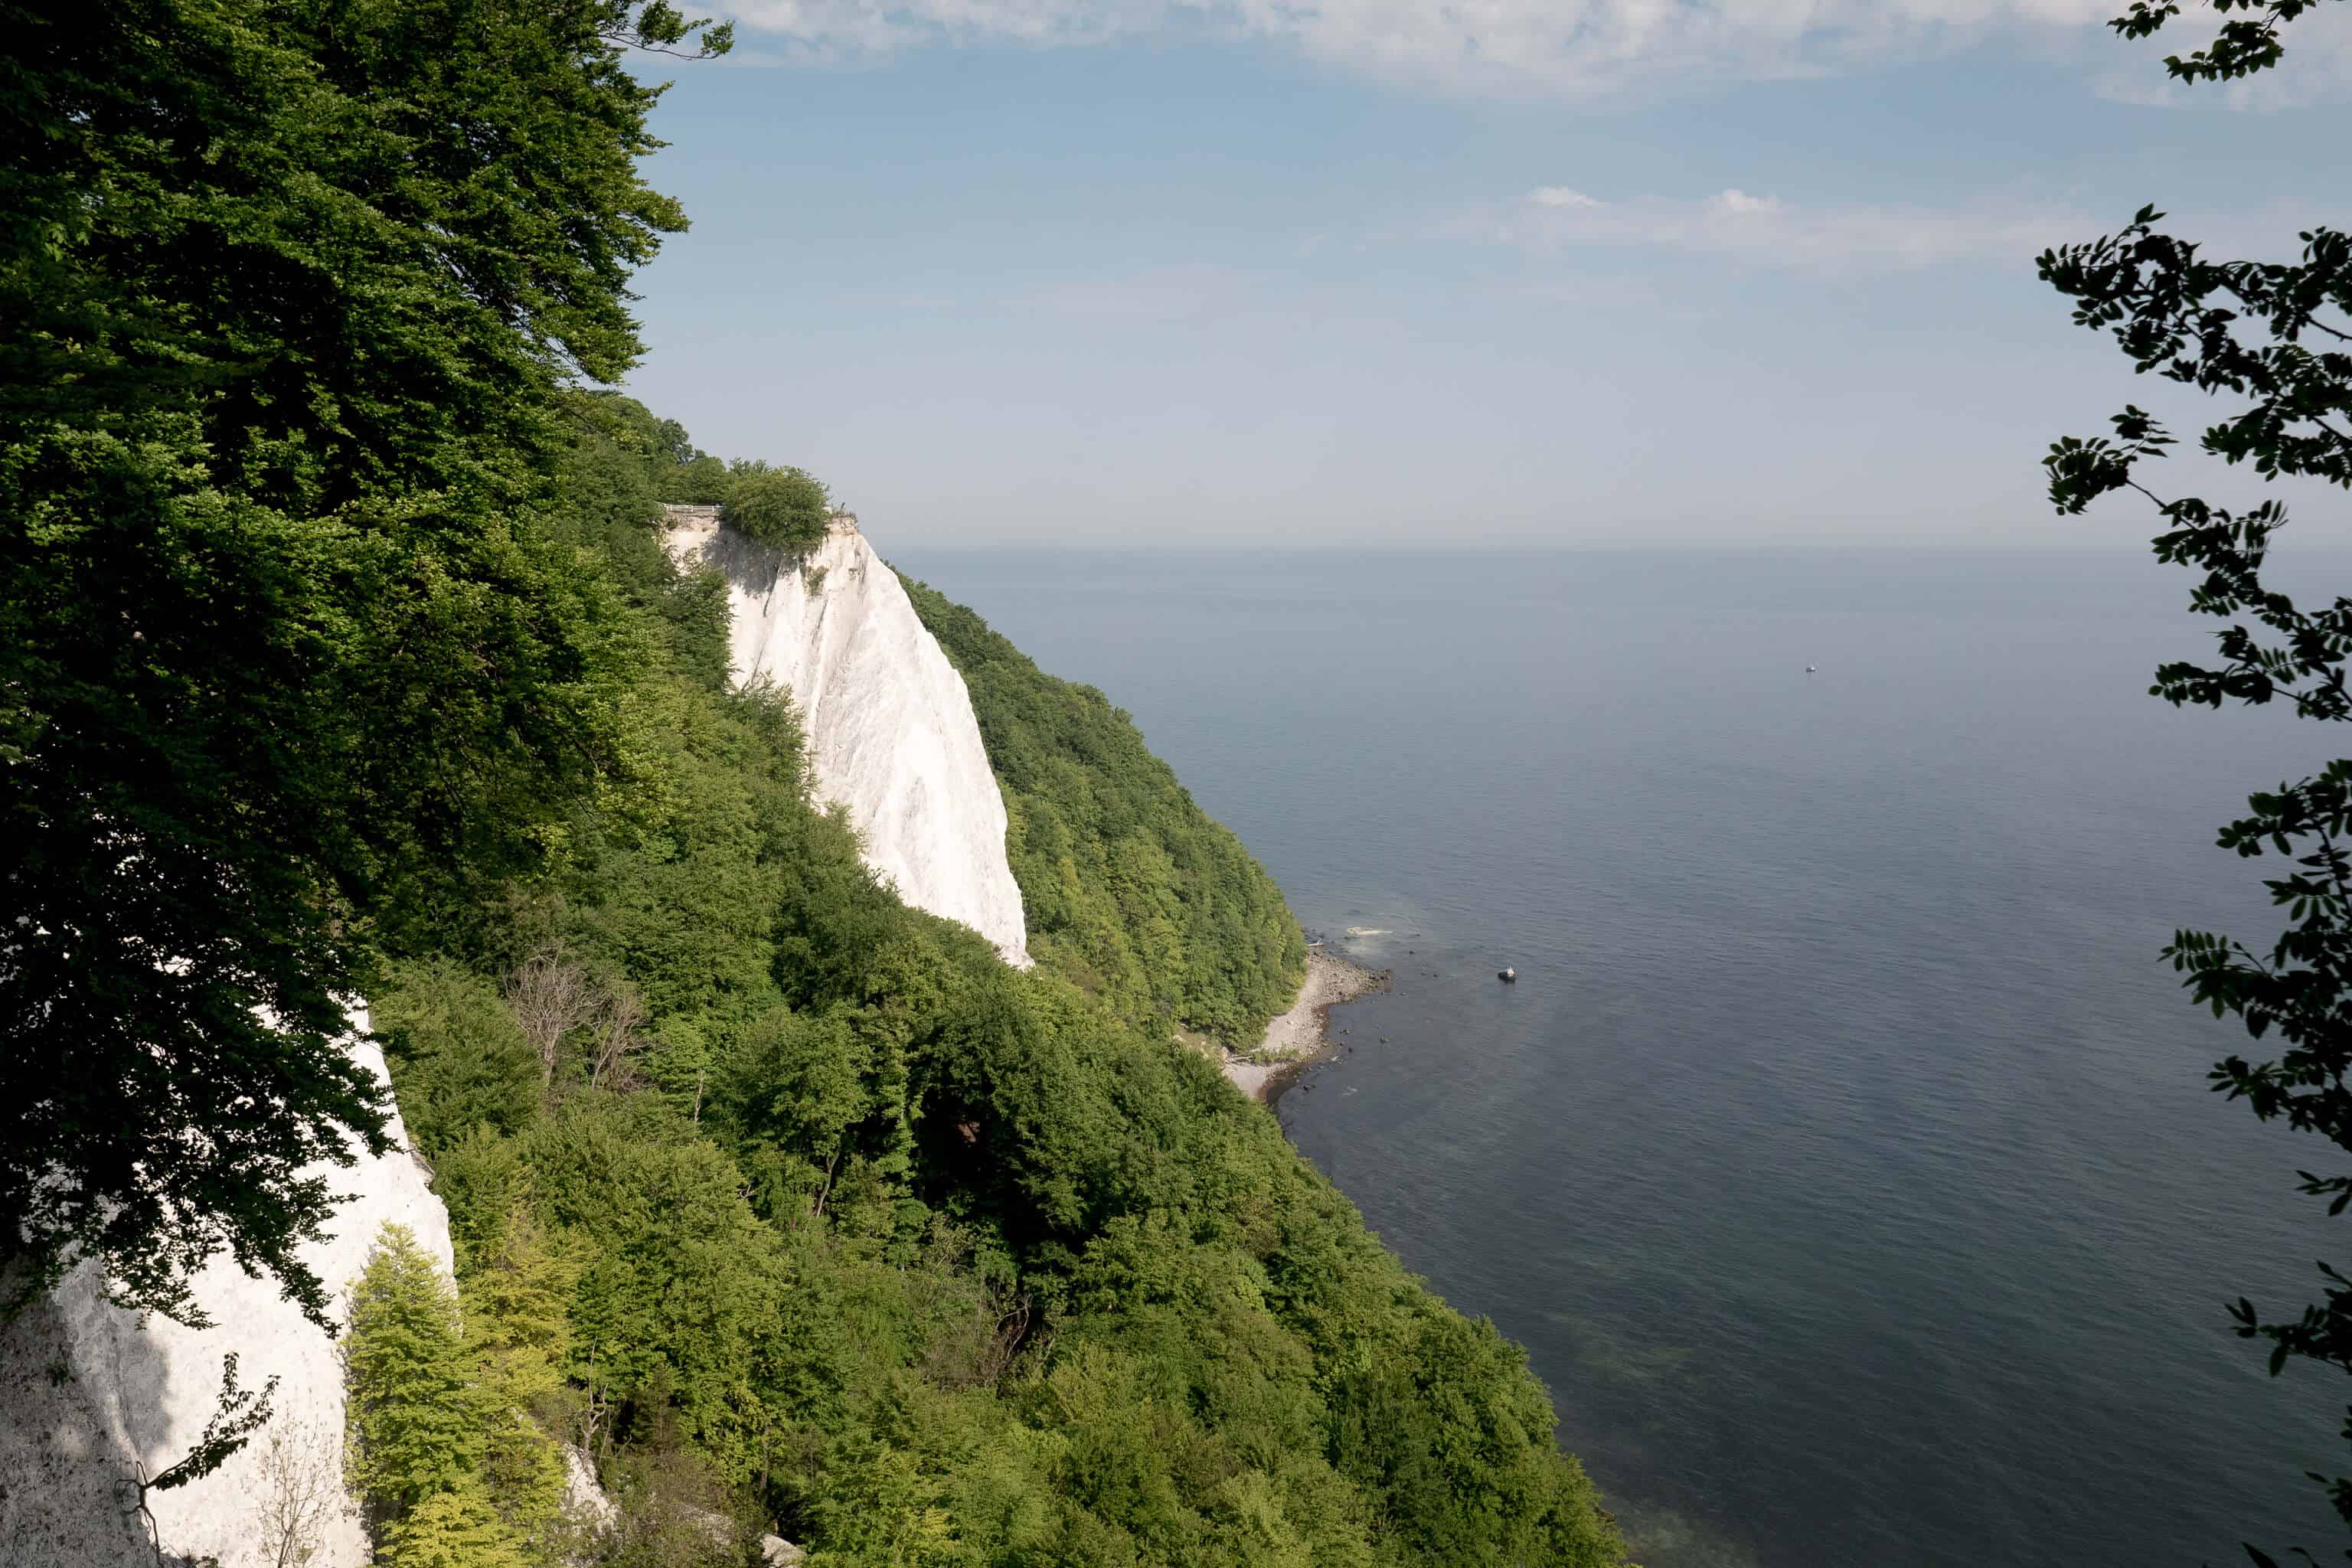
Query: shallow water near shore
x,y
1843,1154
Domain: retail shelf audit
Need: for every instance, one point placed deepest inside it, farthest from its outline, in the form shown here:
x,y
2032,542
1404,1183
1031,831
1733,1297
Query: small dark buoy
x,y
1506,974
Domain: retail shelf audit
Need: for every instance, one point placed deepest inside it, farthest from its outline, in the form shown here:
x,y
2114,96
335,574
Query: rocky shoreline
x,y
1297,1038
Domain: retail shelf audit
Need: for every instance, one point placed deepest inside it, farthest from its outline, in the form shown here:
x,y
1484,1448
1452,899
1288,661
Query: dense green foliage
x,y
287,291
338,653
449,1466
782,507
861,1233
779,506
1130,889
2261,332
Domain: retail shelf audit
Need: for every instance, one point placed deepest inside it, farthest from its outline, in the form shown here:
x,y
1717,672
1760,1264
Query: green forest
x,y
340,658
799,1207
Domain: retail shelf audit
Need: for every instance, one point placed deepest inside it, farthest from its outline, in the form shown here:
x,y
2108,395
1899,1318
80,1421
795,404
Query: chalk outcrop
x,y
98,1397
891,734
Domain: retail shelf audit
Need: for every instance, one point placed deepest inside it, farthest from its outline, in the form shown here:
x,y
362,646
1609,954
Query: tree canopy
x,y
2272,338
288,293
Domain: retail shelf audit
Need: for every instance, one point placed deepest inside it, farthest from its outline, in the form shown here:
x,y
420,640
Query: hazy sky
x,y
1378,271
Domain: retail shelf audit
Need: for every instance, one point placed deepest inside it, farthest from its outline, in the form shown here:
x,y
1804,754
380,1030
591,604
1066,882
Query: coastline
x,y
1298,1037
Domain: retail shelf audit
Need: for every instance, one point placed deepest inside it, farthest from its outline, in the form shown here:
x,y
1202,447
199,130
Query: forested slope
x,y
339,656
923,1259
1131,889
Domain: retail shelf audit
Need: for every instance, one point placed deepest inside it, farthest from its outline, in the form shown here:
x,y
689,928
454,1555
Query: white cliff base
x,y
891,734
98,1398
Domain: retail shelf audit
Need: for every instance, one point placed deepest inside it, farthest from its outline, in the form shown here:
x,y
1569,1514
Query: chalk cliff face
x,y
890,729
97,1396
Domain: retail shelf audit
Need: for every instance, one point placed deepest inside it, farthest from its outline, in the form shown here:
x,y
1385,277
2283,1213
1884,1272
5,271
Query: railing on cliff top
x,y
682,512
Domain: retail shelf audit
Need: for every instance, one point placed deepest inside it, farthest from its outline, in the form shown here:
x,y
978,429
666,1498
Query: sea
x,y
1843,1154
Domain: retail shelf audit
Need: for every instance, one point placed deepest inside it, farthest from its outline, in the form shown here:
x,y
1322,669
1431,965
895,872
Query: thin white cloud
x,y
1735,225
1559,196
1577,48
1164,294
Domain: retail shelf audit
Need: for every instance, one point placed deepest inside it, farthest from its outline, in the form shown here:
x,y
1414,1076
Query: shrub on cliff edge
x,y
777,506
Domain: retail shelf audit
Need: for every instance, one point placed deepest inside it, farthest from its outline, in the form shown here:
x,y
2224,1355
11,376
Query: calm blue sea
x,y
1843,1156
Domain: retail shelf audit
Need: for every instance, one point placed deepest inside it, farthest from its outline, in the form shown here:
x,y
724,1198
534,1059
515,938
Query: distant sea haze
x,y
1842,1153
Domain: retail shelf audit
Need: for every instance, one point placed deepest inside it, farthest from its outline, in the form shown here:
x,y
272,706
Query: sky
x,y
1374,273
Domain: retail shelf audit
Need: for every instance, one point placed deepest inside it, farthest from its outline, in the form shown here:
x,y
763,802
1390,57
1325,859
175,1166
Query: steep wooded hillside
x,y
1133,892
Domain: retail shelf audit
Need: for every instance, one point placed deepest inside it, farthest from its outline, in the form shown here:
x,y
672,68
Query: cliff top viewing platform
x,y
697,515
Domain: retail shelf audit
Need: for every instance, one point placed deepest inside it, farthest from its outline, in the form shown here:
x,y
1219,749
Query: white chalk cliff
x,y
890,729
97,1398
94,1398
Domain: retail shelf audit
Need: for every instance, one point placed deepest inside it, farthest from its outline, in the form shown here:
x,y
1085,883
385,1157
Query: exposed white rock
x,y
594,1516
890,729
590,1515
93,1398
584,1502
96,1396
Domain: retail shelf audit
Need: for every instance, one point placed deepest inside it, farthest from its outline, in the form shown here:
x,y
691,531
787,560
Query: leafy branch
x,y
236,1417
660,28
2268,336
2245,44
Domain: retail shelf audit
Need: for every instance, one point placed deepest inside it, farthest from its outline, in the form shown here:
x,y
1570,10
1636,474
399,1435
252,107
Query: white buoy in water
x,y
1506,974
